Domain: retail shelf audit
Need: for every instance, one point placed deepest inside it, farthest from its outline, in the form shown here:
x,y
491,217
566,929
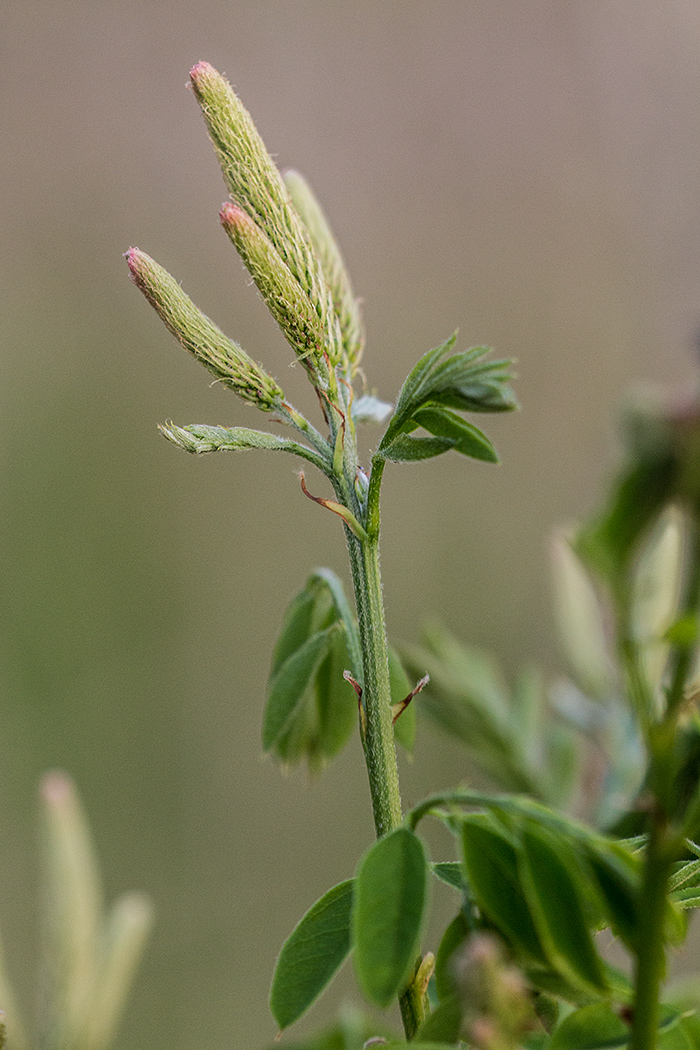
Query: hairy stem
x,y
651,962
665,843
380,752
377,728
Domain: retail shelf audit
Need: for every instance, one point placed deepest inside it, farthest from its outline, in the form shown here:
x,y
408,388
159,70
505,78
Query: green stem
x,y
380,752
651,961
665,843
684,655
377,728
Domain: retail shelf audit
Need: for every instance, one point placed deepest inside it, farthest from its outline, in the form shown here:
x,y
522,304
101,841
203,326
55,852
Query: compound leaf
x,y
312,954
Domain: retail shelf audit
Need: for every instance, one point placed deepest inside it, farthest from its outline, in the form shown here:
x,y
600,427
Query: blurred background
x,y
527,171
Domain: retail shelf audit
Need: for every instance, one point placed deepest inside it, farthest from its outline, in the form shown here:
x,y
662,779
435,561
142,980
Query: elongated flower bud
x,y
224,358
257,186
286,301
347,307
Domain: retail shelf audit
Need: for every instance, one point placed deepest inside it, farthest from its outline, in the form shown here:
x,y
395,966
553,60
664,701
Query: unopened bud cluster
x,y
284,240
224,358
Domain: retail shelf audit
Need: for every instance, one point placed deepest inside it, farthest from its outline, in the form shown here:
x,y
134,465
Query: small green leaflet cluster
x,y
436,385
311,708
544,882
378,916
465,382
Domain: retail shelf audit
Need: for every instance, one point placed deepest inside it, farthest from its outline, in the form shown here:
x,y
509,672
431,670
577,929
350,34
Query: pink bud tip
x,y
56,787
233,215
201,70
137,261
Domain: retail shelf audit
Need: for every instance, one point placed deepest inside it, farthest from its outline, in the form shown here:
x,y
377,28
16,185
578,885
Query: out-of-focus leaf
x,y
656,590
344,613
453,938
312,954
442,1026
311,710
592,1027
547,1009
289,684
610,542
335,698
350,1032
123,940
451,873
491,861
527,711
557,901
388,907
598,1027
617,873
468,699
296,626
415,1045
73,911
580,619
10,1009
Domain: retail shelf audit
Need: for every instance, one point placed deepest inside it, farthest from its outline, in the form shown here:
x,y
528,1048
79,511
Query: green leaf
x,y
557,901
342,607
469,383
491,394
492,870
420,1045
452,939
467,439
322,707
451,873
405,449
405,724
389,901
287,688
199,438
468,698
595,1027
688,898
297,626
599,1027
610,542
442,1025
335,699
312,954
617,874
410,395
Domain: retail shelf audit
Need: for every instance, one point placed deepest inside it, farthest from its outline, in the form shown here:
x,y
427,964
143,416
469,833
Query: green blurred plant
x,y
520,964
88,957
